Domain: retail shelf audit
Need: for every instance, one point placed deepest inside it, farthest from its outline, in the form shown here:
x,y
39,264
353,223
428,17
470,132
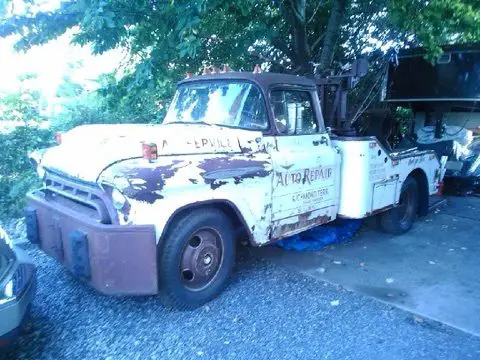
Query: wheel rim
x,y
201,258
406,208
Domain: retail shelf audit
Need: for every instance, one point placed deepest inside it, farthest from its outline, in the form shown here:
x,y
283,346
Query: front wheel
x,y
196,258
400,219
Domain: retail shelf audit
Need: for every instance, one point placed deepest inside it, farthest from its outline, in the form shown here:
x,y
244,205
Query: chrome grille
x,y
88,199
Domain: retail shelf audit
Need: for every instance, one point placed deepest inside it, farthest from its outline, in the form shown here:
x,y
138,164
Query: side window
x,y
293,112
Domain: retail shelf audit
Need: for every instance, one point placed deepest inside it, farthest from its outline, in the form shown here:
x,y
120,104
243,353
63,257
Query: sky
x,y
51,61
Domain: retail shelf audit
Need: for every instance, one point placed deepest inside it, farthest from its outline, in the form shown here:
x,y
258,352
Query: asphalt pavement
x,y
432,270
267,312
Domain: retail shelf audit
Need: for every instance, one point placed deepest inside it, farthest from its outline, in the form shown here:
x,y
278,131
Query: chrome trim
x,y
80,193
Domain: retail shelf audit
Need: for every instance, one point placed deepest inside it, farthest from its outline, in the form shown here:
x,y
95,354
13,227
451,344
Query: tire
x,y
400,219
196,258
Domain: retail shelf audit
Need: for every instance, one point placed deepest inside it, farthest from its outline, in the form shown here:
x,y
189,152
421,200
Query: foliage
x,y
16,173
163,39
21,109
104,106
23,105
437,22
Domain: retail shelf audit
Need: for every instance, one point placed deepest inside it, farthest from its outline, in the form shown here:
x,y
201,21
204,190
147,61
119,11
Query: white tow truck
x,y
157,209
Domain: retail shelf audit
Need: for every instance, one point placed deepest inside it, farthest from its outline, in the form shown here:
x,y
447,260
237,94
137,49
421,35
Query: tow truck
x,y
158,209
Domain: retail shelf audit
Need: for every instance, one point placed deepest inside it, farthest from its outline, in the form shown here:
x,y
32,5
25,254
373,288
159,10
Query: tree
x,y
22,109
24,105
164,39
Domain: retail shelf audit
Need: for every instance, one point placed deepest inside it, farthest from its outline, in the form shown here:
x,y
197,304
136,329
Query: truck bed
x,y
372,177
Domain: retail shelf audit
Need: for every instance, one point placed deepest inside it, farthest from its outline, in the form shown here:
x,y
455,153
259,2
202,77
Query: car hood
x,y
87,150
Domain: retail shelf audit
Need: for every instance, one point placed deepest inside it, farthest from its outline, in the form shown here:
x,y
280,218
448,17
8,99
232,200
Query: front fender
x,y
157,190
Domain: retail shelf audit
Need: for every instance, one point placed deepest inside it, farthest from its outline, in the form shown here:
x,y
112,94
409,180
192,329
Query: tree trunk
x,y
332,33
294,12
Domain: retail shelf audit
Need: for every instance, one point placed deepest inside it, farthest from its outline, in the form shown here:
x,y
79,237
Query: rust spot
x,y
126,210
145,183
216,184
226,167
378,211
267,206
303,223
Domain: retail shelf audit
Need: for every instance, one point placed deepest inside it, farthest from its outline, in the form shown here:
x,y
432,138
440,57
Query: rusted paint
x,y
125,211
146,183
218,169
378,211
267,207
122,258
215,184
303,222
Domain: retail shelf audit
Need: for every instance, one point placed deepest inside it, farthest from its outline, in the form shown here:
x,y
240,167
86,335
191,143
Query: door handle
x,y
323,140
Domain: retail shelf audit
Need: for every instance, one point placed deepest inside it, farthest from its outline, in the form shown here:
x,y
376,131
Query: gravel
x,y
265,313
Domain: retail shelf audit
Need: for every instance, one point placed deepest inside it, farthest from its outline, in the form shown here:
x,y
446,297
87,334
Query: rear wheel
x,y
196,258
400,219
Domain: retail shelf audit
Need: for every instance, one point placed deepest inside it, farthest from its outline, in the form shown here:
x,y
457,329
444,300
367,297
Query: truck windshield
x,y
233,104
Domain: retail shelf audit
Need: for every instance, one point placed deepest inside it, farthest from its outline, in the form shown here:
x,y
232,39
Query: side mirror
x,y
328,129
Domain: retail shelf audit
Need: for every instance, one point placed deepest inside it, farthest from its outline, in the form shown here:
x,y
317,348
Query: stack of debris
x,y
462,175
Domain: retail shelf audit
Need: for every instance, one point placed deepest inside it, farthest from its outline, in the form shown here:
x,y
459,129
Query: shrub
x,y
17,176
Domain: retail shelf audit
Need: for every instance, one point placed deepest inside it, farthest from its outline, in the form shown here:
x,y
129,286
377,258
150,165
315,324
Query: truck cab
x,y
157,209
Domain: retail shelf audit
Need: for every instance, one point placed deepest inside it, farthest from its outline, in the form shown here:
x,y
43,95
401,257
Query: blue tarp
x,y
317,238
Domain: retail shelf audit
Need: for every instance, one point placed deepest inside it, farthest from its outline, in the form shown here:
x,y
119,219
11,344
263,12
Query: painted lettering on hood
x,y
212,142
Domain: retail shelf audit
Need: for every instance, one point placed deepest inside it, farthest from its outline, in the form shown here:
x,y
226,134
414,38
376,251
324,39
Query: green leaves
x,y
16,173
437,22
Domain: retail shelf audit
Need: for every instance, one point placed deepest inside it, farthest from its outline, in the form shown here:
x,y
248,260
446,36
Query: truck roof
x,y
263,80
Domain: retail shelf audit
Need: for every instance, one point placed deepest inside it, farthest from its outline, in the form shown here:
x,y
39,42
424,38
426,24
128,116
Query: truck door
x,y
306,166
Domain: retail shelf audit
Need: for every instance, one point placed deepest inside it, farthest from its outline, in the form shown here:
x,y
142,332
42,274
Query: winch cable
x,y
369,98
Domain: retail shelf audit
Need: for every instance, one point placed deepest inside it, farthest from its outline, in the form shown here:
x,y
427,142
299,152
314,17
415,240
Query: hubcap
x,y
201,258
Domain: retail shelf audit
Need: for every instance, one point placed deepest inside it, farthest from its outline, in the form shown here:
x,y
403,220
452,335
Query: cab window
x,y
293,112
235,104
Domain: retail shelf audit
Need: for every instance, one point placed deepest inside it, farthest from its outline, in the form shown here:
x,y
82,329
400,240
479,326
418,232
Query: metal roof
x,y
264,80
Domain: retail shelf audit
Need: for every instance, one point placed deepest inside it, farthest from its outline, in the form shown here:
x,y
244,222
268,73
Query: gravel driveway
x,y
266,313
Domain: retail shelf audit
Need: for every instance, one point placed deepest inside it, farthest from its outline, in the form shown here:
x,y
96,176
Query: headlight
x,y
118,199
6,238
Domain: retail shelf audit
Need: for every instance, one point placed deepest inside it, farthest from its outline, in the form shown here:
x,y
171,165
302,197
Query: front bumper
x,y
113,259
21,282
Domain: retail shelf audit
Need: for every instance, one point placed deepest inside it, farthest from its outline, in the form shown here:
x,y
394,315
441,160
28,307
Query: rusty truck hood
x,y
87,150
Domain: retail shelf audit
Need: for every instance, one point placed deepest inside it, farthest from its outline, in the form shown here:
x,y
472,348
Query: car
x,y
17,287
